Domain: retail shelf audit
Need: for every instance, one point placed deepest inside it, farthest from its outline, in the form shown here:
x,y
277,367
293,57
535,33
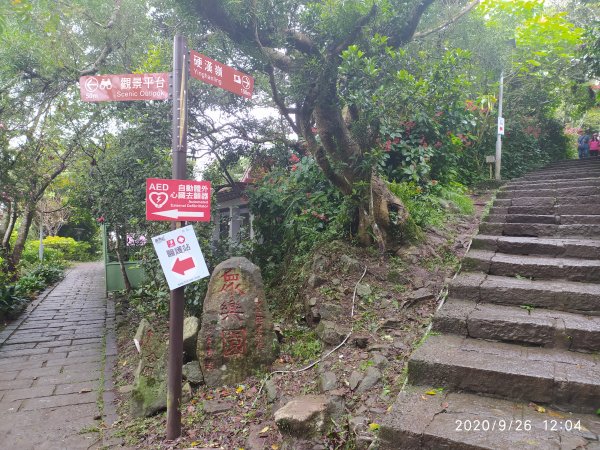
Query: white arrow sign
x,y
176,214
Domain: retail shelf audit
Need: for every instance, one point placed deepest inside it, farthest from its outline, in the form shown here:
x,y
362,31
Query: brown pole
x,y
179,154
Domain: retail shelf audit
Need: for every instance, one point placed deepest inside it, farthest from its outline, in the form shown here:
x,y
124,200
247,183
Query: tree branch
x,y
408,30
108,48
356,30
284,111
461,13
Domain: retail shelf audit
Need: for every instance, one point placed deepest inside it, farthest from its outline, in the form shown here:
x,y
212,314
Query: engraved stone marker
x,y
236,337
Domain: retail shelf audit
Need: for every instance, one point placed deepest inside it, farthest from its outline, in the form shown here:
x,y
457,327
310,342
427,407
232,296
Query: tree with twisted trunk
x,y
299,46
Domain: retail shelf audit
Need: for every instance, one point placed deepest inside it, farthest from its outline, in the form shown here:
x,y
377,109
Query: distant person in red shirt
x,y
594,145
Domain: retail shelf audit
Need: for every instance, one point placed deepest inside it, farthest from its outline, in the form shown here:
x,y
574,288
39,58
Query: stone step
x,y
535,267
556,219
519,185
460,421
582,298
561,175
521,325
540,230
561,379
566,248
548,201
550,192
575,210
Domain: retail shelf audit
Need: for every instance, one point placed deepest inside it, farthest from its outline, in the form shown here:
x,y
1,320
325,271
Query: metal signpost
x,y
500,129
173,200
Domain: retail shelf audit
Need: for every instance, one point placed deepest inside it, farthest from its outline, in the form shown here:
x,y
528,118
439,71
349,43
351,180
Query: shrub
x,y
57,248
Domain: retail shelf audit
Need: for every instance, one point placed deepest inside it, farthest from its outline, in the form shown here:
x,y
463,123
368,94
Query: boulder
x,y
237,336
331,333
305,416
149,394
191,325
192,373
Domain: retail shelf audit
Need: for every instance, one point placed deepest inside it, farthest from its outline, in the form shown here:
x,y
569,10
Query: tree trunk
x,y
17,251
121,259
9,229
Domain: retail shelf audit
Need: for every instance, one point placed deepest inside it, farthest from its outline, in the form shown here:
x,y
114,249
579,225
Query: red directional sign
x,y
124,88
218,74
177,200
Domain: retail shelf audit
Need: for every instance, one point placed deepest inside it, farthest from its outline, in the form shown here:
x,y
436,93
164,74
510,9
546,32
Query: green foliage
x,y
430,206
58,249
302,344
295,209
15,296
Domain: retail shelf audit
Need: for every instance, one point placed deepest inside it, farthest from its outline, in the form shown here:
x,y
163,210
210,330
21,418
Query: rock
x,y
330,311
359,340
320,264
191,325
186,393
421,295
304,416
192,373
149,394
363,290
358,424
217,406
355,379
271,389
327,381
418,282
393,323
371,378
379,360
331,333
349,264
237,337
398,276
364,441
255,441
312,301
314,281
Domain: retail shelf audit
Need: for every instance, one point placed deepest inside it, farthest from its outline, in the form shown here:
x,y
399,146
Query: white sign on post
x,y
180,257
501,125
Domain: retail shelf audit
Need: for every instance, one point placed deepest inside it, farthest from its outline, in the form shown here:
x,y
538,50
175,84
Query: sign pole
x,y
179,154
499,136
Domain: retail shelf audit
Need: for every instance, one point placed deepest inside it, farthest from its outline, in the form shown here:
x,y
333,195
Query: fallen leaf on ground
x,y
373,426
265,429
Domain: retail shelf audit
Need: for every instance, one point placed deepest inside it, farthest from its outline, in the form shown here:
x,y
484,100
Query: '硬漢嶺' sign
x,y
218,74
127,87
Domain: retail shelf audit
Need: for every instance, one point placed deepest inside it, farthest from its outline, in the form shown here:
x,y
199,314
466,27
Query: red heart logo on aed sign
x,y
158,199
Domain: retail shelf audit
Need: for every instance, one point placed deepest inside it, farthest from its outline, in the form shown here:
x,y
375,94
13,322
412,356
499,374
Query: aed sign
x,y
180,257
177,200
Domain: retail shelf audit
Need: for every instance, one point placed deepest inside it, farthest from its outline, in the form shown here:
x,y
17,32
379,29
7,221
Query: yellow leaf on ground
x,y
275,447
431,392
373,426
239,389
540,409
265,429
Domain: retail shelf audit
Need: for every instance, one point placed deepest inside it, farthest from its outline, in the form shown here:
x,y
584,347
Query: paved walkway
x,y
52,365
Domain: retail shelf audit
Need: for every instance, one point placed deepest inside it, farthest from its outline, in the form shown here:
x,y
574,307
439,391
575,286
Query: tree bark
x,y
121,259
17,251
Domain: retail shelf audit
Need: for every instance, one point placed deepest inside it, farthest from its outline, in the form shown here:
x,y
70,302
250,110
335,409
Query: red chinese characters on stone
x,y
234,343
231,308
230,282
208,364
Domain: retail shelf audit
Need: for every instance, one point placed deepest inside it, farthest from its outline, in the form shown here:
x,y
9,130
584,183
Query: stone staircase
x,y
513,360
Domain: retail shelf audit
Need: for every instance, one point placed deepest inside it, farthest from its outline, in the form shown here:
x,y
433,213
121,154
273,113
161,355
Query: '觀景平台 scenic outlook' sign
x,y
127,87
